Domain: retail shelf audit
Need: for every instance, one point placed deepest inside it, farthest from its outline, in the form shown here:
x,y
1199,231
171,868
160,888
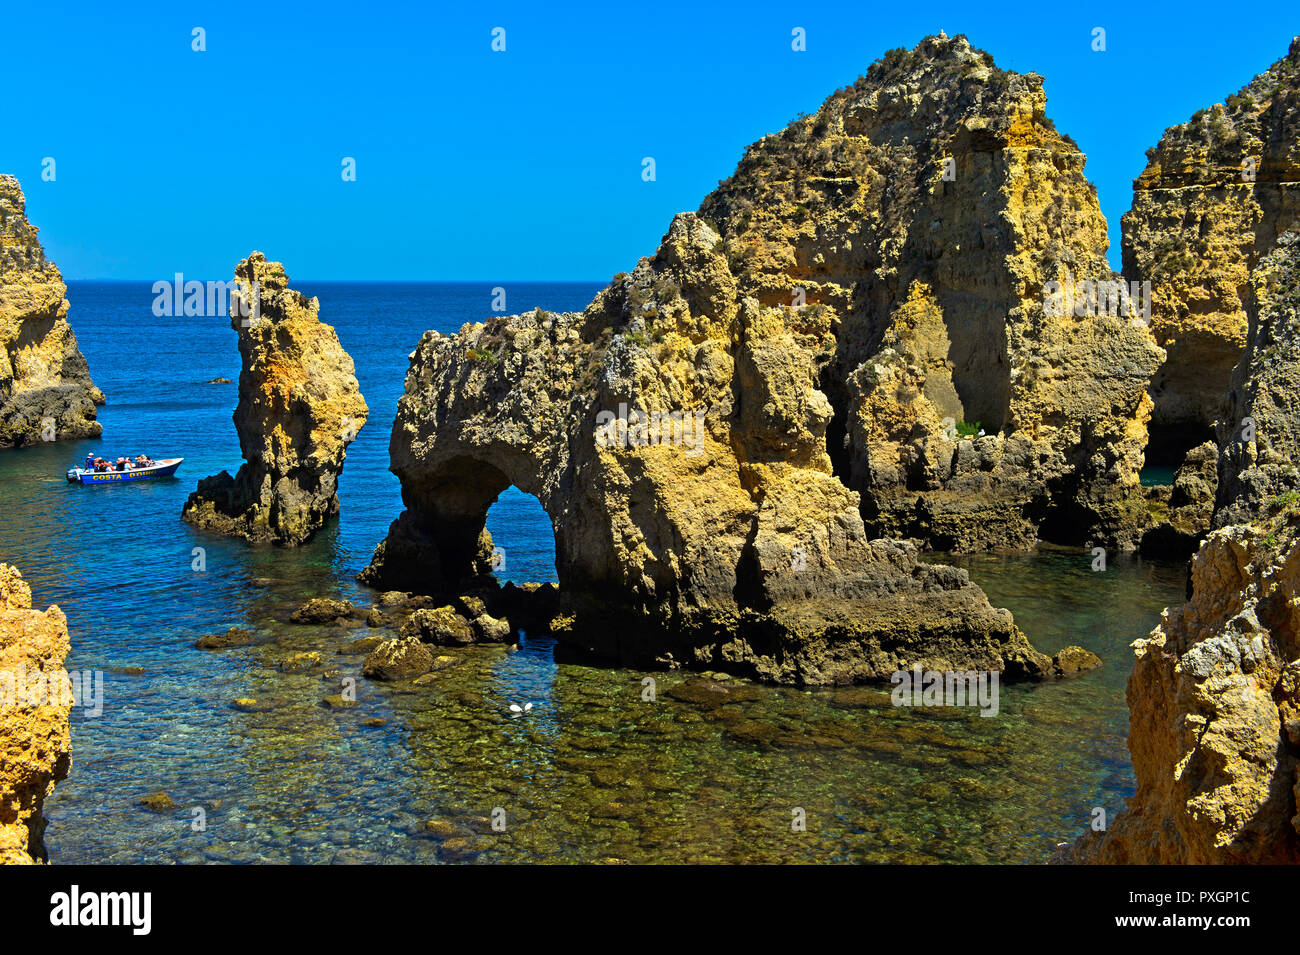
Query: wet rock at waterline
x,y
323,610
1072,661
299,408
398,659
34,743
45,389
1214,696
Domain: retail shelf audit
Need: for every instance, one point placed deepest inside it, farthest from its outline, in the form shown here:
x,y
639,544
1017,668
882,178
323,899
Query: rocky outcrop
x,y
1260,431
35,697
721,435
299,408
45,389
986,374
1214,697
1217,192
1182,511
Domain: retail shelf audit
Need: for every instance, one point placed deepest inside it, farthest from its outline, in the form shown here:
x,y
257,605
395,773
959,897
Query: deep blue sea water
x,y
592,772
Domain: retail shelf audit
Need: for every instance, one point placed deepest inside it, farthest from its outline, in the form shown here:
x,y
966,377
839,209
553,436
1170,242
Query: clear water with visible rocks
x,y
709,771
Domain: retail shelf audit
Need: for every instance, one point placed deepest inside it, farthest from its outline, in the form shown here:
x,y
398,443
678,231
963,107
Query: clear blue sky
x,y
517,165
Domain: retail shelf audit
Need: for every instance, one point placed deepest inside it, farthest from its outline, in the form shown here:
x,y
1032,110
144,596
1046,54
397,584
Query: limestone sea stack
x,y
1214,696
299,408
727,435
35,749
45,389
1216,193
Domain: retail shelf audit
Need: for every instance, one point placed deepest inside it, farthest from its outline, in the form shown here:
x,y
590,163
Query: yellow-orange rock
x,y
1216,193
45,389
1214,696
35,749
299,408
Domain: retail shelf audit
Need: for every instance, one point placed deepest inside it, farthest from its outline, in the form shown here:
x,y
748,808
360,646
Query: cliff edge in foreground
x,y
299,408
1214,697
45,389
35,749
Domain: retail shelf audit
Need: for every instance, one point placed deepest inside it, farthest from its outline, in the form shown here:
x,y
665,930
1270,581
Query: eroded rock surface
x,y
45,389
1261,427
716,458
1217,192
299,408
925,212
35,749
1214,697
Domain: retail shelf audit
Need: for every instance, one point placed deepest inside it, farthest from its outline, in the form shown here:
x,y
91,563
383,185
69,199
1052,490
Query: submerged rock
x,y
234,637
45,389
361,645
299,408
159,802
1214,696
34,713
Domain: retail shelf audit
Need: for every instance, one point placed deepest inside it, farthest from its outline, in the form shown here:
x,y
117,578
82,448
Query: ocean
x,y
593,771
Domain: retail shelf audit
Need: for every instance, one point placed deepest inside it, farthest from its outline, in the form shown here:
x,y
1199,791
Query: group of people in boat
x,y
94,463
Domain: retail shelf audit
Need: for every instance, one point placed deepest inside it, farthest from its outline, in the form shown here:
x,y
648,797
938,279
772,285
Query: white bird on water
x,y
517,710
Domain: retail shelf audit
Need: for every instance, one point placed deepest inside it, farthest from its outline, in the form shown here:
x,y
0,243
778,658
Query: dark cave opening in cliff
x,y
1167,446
522,537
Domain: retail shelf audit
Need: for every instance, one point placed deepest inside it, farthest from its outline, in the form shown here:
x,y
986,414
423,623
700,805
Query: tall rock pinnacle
x,y
299,408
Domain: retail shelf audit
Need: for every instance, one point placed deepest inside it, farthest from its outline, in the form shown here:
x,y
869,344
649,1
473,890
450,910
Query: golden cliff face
x,y
720,437
35,750
1214,696
45,389
1217,192
923,214
299,408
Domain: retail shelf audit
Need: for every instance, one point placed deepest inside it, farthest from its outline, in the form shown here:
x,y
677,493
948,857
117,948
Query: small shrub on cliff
x,y
1282,501
968,430
481,357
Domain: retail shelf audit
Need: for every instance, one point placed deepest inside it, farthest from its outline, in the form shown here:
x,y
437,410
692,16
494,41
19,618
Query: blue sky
x,y
517,165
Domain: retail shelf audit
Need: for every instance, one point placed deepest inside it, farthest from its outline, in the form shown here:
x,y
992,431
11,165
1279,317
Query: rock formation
x,y
299,408
1214,697
925,213
35,749
1182,511
1217,192
45,389
718,437
1260,431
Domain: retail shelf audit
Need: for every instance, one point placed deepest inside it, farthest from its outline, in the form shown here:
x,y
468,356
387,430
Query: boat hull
x,y
163,469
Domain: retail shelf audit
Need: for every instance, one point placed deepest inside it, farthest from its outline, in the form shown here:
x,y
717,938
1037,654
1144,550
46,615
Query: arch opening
x,y
523,538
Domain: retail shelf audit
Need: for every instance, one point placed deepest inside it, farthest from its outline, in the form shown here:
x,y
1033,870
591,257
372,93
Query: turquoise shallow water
x,y
592,771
